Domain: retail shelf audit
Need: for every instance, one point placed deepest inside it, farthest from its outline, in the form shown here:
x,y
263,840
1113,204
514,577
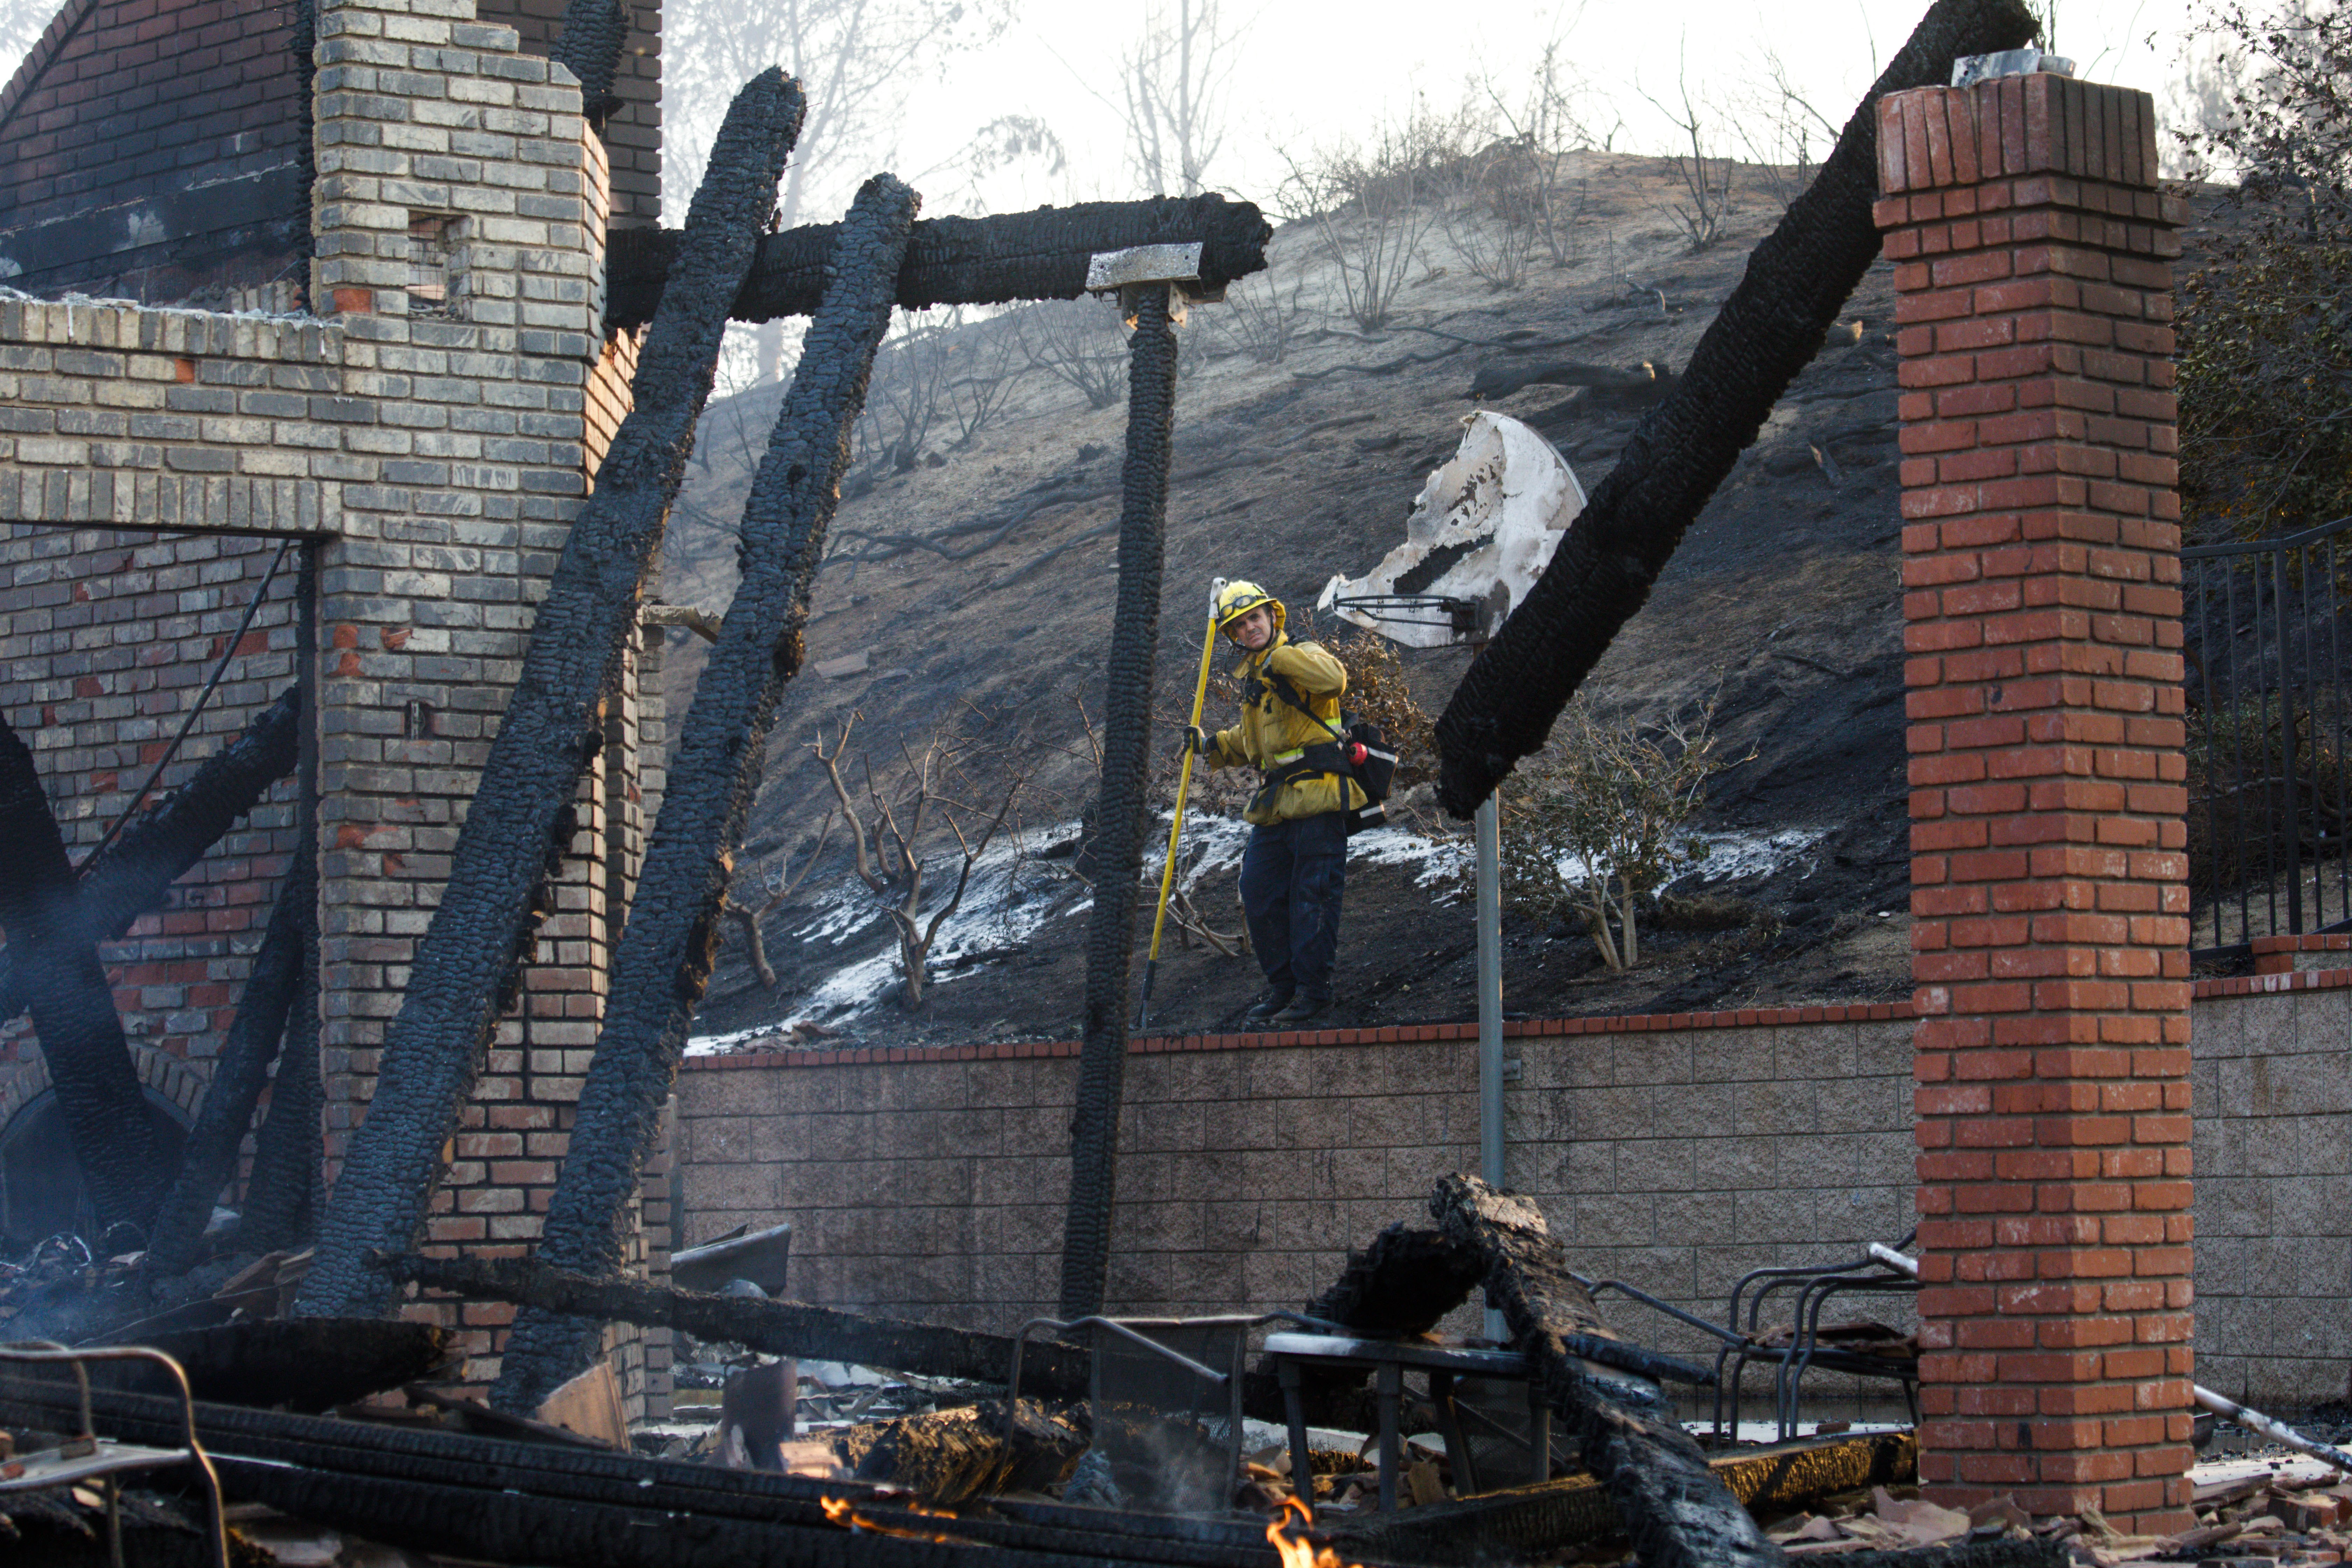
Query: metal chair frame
x,y
1131,1330
1736,1346
88,1456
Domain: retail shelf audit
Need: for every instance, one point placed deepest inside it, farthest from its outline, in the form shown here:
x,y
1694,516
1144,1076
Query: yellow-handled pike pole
x,y
1176,828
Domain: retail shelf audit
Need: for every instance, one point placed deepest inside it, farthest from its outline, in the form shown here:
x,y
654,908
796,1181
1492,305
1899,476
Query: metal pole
x,y
1490,1012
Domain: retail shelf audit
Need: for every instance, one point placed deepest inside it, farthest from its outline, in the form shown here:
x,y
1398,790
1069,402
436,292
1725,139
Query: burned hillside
x,y
1777,609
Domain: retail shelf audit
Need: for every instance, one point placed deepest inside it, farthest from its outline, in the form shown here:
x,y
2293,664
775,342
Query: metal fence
x,y
2268,794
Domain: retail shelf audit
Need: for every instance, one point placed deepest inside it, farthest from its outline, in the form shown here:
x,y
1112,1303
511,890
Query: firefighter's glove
x,y
1197,741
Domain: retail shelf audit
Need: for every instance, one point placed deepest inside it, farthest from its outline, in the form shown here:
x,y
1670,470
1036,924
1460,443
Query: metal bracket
x,y
1129,273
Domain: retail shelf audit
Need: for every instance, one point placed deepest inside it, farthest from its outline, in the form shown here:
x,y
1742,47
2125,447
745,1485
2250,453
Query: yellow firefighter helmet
x,y
1238,597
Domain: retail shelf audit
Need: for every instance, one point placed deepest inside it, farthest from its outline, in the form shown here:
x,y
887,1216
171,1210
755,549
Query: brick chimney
x,y
2042,573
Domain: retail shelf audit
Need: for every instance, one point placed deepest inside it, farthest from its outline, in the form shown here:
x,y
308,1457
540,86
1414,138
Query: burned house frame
x,y
425,430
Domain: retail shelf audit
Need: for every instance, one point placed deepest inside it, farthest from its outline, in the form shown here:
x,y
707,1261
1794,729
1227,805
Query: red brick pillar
x,y
2041,571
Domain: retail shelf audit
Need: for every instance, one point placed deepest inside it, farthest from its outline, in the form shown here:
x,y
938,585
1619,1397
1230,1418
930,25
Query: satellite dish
x,y
1480,533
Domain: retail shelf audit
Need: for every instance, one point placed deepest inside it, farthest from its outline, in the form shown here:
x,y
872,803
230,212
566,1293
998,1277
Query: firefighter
x,y
1296,867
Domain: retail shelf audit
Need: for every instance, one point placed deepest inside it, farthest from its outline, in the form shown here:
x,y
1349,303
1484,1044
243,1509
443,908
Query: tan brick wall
x,y
106,639
437,450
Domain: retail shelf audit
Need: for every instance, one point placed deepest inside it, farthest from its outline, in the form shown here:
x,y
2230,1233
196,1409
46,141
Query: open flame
x,y
841,1511
1300,1552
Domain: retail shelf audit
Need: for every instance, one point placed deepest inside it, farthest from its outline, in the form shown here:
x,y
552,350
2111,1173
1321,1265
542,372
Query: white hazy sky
x,y
1318,71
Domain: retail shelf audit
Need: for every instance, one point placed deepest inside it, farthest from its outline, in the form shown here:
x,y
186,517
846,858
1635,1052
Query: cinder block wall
x,y
1672,1153
1675,1157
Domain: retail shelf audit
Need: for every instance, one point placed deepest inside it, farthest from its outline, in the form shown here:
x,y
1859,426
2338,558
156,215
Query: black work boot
x,y
1267,1006
1303,1007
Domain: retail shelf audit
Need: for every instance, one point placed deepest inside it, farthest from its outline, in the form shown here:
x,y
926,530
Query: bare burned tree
x,y
1372,208
1176,78
664,960
1779,128
1484,208
908,398
1704,171
1545,117
773,890
862,61
986,364
81,1037
1077,343
1768,331
1264,318
432,1050
889,833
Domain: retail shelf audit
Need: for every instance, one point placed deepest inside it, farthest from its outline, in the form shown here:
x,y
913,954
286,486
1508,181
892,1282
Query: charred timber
x,y
555,1476
482,1525
778,1327
1526,1521
89,1062
1039,255
281,1195
595,34
432,1051
208,1160
1677,1512
307,1364
1766,331
130,878
1400,1286
1117,847
665,958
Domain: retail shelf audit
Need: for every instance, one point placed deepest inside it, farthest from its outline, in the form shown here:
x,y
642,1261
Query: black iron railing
x,y
2269,797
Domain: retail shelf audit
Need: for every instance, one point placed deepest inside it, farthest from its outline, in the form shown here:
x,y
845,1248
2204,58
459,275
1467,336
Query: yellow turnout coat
x,y
1272,734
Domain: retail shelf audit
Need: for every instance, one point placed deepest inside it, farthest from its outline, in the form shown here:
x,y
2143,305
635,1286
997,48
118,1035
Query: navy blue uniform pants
x,y
1292,875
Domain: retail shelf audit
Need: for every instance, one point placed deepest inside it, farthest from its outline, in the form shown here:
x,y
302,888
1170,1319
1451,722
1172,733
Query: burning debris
x,y
957,1467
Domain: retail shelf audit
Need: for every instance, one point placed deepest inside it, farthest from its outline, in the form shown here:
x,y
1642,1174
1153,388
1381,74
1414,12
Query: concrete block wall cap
x,y
1970,69
1378,1035
2330,942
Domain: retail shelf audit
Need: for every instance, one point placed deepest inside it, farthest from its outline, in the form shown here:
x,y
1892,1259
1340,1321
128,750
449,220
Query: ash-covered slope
x,y
1784,604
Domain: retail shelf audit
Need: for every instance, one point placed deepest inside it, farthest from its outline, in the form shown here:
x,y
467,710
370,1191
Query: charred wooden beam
x,y
81,1037
432,1051
1766,331
307,1364
131,876
1038,255
480,1524
281,1194
778,1328
1401,1284
1677,1512
595,34
1530,1520
556,1476
664,961
1117,847
240,1072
